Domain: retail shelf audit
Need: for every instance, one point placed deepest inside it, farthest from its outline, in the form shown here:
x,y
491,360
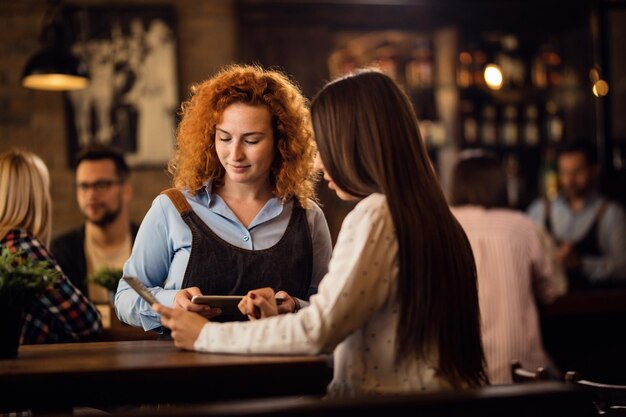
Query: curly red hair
x,y
195,161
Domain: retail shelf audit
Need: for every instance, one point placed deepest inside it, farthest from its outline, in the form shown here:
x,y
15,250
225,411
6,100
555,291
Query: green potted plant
x,y
107,278
22,280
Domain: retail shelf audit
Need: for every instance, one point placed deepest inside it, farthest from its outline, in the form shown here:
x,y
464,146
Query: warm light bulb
x,y
493,76
600,88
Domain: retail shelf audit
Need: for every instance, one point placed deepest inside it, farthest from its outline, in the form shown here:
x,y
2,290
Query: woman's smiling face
x,y
244,143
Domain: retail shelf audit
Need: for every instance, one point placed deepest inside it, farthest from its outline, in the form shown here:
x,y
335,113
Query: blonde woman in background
x,y
62,313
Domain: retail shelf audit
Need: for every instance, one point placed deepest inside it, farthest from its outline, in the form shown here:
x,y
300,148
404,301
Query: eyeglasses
x,y
100,185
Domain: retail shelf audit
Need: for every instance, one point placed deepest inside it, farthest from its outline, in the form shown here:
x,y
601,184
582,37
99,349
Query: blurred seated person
x,y
515,262
62,313
242,215
103,193
590,230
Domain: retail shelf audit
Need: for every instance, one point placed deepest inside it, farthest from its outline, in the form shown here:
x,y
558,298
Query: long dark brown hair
x,y
368,138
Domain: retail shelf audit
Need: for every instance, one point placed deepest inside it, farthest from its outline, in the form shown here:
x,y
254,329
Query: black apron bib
x,y
219,268
586,245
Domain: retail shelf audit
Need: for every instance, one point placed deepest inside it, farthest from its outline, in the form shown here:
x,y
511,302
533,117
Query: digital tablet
x,y
223,301
217,301
141,289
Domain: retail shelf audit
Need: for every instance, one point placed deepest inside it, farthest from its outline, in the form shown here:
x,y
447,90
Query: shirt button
x,y
246,238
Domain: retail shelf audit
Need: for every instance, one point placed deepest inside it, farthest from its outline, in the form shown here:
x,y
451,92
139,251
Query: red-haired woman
x,y
242,215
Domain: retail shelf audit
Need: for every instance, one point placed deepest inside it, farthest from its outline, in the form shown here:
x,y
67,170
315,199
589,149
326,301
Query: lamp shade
x,y
55,68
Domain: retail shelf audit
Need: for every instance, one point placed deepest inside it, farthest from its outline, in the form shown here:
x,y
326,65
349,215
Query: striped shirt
x,y
515,264
62,313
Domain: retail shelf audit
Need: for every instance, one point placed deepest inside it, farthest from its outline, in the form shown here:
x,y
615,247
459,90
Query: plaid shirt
x,y
62,313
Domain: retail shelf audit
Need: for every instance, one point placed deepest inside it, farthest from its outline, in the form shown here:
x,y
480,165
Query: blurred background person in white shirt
x,y
516,265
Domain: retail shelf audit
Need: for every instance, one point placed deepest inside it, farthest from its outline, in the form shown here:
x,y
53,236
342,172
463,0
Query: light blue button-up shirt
x,y
163,244
570,226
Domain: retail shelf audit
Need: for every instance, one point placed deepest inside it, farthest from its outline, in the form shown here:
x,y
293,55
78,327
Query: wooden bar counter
x,y
58,376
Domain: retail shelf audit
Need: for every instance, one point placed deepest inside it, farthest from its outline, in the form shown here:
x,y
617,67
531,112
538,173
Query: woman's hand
x,y
259,304
288,305
185,325
182,301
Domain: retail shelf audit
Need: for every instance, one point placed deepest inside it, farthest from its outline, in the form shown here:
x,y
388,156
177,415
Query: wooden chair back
x,y
609,399
521,375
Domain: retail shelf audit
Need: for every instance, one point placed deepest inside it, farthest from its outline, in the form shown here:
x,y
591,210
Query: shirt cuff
x,y
166,297
151,320
202,342
300,304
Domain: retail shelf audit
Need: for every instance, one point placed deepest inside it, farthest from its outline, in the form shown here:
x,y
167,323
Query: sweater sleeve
x,y
356,286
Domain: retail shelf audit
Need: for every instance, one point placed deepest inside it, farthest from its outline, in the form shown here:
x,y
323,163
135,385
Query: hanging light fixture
x,y
54,67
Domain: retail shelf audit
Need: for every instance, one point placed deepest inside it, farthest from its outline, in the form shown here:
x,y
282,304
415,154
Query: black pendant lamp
x,y
54,67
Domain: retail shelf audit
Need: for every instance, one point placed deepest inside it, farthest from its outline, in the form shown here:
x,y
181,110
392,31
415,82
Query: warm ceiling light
x,y
54,67
493,76
55,70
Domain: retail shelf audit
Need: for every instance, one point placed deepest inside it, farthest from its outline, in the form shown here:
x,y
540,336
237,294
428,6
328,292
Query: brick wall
x,y
35,120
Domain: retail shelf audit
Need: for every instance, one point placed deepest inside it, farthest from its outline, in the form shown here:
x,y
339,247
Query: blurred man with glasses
x,y
105,239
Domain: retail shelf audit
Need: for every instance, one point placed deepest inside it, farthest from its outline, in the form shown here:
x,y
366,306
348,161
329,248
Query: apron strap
x,y
178,199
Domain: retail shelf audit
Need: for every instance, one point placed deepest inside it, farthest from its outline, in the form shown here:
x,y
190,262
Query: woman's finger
x,y
266,306
242,307
249,307
288,305
197,308
266,292
211,312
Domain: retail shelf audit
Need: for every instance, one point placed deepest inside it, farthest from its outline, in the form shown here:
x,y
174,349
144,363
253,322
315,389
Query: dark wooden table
x,y
583,332
589,302
52,377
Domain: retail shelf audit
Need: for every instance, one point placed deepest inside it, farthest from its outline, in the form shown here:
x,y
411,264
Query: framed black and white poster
x,y
132,97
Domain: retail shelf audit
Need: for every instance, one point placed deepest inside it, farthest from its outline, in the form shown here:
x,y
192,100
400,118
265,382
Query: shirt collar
x,y
208,190
272,209
590,200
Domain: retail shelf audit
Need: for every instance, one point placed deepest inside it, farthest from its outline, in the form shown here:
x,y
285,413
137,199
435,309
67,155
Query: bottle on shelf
x,y
538,72
509,131
469,124
464,73
510,63
419,70
531,126
488,129
511,167
479,61
548,176
433,133
554,123
553,67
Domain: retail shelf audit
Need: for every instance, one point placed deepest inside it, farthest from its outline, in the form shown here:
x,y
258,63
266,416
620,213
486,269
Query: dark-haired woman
x,y
399,304
513,262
